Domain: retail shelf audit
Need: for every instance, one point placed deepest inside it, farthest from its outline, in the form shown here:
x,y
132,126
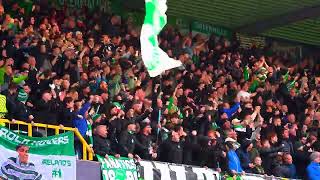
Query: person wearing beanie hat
x,y
127,141
144,125
21,111
22,96
96,118
144,148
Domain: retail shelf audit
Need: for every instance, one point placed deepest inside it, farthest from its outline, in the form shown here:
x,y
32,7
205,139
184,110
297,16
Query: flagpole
x,y
159,110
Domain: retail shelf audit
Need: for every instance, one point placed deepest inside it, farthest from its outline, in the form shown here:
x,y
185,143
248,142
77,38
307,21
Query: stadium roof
x,y
295,20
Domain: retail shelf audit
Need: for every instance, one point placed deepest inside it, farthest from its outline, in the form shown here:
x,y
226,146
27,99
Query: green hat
x,y
22,96
96,116
118,105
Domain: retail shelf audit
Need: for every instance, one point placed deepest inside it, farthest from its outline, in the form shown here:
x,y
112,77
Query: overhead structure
x,y
293,20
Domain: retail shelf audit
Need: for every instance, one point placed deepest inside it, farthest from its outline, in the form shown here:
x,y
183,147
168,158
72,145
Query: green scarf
x,y
246,74
2,74
19,79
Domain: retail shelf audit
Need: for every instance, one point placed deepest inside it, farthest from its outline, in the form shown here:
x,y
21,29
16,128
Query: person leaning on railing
x,y
101,145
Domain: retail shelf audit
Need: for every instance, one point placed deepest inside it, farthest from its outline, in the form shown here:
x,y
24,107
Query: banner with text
x,y
49,158
151,170
118,168
92,5
208,29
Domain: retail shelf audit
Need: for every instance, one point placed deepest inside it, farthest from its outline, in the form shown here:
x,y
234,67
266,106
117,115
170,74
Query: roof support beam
x,y
291,17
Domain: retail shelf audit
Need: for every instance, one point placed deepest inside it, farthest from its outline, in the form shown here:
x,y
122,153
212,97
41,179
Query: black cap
x,y
144,125
245,143
129,122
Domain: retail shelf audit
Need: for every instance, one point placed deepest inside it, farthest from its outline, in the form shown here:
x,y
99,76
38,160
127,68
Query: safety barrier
x,y
124,168
153,170
87,152
250,176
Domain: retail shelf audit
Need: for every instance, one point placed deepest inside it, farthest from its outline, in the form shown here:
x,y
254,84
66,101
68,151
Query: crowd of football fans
x,y
231,109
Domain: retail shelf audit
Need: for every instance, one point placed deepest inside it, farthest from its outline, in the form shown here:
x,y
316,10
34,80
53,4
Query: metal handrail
x,y
87,150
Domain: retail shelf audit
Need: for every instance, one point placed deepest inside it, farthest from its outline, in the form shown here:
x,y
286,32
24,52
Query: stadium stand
x,y
233,108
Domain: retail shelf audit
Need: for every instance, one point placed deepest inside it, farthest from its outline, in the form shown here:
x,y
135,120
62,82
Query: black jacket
x,y
115,127
268,156
301,161
10,104
145,143
170,151
66,117
191,150
288,146
102,146
128,143
211,155
21,112
285,170
46,112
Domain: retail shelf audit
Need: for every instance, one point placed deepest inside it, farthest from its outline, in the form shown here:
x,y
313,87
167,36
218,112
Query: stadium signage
x,y
208,29
91,4
11,136
120,169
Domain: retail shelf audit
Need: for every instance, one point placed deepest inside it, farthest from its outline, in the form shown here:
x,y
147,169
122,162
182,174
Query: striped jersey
x,y
12,169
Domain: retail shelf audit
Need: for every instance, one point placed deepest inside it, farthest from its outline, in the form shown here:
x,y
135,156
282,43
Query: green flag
x,y
154,58
254,85
24,157
89,133
291,84
118,168
286,77
246,74
170,105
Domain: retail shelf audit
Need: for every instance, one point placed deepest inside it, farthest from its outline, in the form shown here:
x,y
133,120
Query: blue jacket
x,y
231,110
234,162
313,171
292,171
244,158
81,123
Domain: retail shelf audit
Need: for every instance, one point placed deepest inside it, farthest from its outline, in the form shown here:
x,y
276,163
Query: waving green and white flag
x,y
154,58
23,157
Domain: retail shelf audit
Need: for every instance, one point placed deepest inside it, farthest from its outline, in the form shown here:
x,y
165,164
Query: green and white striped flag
x,y
154,58
48,158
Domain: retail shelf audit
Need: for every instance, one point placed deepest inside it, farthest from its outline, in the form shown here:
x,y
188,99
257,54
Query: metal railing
x,y
87,151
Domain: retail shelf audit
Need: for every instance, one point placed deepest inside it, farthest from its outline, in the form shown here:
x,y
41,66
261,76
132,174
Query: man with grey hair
x,y
313,170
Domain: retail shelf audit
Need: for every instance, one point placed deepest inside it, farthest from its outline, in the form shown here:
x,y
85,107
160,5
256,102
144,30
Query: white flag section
x,y
27,158
154,58
151,170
